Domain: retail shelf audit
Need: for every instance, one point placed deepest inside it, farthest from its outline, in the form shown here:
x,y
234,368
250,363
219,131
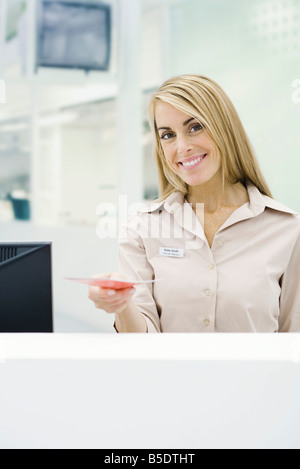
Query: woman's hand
x,y
111,301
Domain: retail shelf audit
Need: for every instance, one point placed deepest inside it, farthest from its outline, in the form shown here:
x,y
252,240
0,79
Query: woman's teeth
x,y
193,163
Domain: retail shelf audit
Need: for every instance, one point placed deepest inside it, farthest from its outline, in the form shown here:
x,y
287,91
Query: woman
x,y
230,261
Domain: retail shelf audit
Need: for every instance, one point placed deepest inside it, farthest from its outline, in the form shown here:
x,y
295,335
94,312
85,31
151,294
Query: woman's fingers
x,y
110,300
112,307
100,294
118,300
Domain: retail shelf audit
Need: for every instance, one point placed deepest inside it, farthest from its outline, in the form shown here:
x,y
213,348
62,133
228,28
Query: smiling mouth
x,y
192,164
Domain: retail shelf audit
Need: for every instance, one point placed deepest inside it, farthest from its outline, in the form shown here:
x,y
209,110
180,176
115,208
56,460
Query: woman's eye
x,y
196,127
167,136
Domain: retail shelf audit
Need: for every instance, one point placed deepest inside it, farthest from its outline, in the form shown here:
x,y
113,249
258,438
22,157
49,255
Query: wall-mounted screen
x,y
74,34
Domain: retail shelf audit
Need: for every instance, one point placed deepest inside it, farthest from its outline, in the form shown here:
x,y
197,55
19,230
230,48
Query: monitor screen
x,y
74,34
25,288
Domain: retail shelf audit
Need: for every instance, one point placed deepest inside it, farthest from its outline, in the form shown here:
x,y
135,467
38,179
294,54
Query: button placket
x,y
209,293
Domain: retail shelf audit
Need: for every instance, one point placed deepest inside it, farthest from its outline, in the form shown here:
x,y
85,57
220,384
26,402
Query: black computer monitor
x,y
25,288
74,34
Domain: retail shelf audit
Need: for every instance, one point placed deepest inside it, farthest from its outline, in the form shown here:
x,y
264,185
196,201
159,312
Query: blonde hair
x,y
202,98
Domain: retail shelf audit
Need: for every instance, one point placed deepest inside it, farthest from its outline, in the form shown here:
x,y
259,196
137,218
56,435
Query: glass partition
x,y
253,50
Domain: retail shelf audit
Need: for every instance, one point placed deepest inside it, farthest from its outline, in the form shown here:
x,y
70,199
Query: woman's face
x,y
189,150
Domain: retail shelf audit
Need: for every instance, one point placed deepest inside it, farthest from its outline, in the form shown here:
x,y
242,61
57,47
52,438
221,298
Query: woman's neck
x,y
214,199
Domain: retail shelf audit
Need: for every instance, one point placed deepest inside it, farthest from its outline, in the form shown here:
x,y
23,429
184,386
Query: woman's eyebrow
x,y
184,124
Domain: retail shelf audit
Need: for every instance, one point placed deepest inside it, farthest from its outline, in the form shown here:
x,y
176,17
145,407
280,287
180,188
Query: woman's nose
x,y
184,145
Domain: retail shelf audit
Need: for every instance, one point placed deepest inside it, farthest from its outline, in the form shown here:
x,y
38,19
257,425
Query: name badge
x,y
171,252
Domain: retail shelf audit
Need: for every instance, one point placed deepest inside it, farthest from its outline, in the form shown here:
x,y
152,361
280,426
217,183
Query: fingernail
x,y
111,292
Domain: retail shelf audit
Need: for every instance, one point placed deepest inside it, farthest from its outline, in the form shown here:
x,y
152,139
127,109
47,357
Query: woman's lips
x,y
188,163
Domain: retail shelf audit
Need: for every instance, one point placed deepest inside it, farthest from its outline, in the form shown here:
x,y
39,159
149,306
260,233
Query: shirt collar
x,y
168,204
257,202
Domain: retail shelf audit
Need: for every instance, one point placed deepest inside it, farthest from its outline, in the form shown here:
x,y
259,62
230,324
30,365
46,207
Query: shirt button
x,y
207,323
220,243
212,267
208,292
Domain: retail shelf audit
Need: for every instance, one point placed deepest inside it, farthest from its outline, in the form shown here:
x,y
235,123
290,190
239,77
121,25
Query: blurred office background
x,y
78,76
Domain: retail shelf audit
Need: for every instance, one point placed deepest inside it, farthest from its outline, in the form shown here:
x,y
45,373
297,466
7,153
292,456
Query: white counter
x,y
188,391
192,347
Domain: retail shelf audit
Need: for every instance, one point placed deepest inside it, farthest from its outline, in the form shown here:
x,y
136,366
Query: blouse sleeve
x,y
134,264
289,320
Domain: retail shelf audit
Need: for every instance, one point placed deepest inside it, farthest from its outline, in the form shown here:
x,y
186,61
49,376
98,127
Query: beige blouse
x,y
248,281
